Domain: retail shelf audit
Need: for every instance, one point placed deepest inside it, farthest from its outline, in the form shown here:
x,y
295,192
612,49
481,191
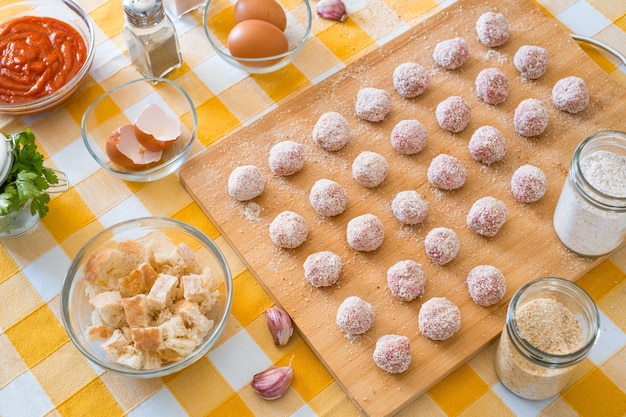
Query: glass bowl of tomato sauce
x,y
47,48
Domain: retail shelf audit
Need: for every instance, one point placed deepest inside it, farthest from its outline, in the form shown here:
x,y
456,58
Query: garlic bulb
x,y
272,383
332,9
280,325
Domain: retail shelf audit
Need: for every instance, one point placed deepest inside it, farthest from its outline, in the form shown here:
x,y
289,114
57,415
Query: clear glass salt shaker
x,y
551,326
151,38
590,215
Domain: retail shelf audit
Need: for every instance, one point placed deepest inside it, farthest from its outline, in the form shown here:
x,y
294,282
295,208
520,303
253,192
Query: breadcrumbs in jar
x,y
551,326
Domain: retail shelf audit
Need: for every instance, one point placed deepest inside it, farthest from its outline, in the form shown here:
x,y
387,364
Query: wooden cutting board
x,y
525,248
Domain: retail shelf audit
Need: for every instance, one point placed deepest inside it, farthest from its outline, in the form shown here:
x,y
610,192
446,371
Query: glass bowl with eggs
x,y
147,297
257,36
142,130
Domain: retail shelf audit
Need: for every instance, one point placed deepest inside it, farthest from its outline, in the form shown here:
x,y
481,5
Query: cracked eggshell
x,y
155,129
125,150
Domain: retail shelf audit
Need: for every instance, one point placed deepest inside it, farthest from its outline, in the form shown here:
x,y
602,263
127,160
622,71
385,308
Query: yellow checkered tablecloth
x,y
42,374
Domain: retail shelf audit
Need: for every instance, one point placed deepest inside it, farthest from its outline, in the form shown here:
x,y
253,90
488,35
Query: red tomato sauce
x,y
38,55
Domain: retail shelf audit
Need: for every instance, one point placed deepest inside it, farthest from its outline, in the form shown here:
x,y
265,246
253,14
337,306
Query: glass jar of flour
x,y
590,216
551,325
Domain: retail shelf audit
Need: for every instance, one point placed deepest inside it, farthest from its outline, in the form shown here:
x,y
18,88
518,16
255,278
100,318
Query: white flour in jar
x,y
551,328
586,229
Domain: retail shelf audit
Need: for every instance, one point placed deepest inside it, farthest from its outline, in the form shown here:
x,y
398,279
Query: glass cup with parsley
x,y
25,183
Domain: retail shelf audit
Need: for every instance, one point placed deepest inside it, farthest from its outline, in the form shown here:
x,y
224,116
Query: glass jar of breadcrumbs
x,y
551,326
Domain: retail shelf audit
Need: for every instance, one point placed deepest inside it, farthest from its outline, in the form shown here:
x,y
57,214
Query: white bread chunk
x,y
147,338
106,267
178,348
108,309
136,310
131,357
164,291
138,281
151,359
197,323
173,328
115,345
196,288
171,259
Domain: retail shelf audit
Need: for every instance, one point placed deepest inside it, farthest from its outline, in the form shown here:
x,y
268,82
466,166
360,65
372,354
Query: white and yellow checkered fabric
x,y
42,374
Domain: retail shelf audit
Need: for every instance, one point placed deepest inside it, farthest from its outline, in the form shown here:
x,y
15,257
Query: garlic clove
x,y
272,383
332,9
280,325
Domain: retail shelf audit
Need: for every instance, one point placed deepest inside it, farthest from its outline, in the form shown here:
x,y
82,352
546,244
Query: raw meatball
x,y
392,353
530,118
439,318
441,245
409,208
528,184
486,216
410,79
365,233
486,285
406,280
288,230
492,29
487,145
492,86
452,53
570,94
286,158
372,104
328,197
453,114
245,183
355,315
446,172
531,61
408,137
370,169
322,269
331,131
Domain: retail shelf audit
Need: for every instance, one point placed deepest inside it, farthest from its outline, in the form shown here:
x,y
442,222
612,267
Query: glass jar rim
x,y
598,199
537,356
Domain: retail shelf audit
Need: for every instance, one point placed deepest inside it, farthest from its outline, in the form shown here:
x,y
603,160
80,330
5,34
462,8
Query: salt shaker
x,y
551,325
590,216
151,38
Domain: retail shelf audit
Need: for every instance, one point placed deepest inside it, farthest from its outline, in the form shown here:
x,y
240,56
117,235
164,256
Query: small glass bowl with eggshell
x,y
142,130
257,36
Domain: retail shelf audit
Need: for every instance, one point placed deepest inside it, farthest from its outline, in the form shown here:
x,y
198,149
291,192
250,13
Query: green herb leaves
x,y
28,178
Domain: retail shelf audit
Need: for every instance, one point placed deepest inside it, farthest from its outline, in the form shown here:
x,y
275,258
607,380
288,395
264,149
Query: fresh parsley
x,y
28,178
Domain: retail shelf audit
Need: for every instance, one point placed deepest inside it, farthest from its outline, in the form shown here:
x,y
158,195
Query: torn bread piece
x,y
106,267
147,338
108,309
164,291
114,345
138,281
137,310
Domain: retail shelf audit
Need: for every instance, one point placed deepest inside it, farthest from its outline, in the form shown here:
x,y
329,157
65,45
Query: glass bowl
x,y
218,20
121,106
91,272
66,11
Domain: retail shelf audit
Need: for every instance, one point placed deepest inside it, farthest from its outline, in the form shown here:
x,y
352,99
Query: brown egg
x,y
124,150
269,10
256,38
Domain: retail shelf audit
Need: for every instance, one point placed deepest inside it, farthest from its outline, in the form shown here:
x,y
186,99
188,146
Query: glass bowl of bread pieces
x,y
147,297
